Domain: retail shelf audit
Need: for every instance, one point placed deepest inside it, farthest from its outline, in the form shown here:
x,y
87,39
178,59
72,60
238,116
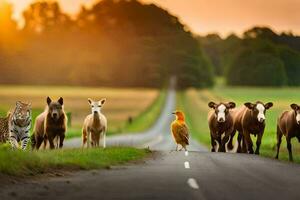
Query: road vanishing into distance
x,y
196,174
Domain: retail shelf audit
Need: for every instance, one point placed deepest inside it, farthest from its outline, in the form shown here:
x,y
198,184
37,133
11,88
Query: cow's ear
x,y
249,105
61,101
230,105
49,100
294,106
212,104
268,105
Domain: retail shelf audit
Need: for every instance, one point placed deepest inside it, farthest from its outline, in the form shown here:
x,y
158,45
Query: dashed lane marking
x,y
193,183
186,164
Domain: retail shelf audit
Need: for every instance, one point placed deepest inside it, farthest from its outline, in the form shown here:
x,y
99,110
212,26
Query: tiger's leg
x,y
13,140
24,142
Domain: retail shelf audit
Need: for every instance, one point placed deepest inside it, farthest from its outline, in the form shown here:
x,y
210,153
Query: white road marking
x,y
186,164
193,183
186,153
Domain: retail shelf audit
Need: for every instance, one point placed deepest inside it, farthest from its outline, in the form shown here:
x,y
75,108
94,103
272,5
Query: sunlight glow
x,y
203,16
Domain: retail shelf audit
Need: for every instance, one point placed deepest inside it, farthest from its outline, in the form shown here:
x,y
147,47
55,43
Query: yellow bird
x,y
180,130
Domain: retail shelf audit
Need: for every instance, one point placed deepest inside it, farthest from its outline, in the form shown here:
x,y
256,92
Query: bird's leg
x,y
175,148
181,148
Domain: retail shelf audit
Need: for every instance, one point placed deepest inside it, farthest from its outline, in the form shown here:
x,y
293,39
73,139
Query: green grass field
x,y
25,163
142,105
194,103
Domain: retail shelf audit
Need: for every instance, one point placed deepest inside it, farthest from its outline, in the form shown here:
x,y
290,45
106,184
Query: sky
x,y
208,16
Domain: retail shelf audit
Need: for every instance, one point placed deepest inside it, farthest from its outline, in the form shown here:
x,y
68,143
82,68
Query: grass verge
x,y
147,118
19,163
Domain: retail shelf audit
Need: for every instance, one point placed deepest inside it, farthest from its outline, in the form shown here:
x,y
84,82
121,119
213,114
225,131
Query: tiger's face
x,y
22,113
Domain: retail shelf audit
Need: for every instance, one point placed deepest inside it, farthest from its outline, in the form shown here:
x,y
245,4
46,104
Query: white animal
x,y
95,125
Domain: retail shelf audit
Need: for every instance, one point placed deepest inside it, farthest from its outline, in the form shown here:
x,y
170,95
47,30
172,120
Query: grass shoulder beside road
x,y
19,163
194,104
147,118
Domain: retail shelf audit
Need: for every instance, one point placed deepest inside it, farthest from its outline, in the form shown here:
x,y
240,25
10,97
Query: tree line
x,y
260,57
113,43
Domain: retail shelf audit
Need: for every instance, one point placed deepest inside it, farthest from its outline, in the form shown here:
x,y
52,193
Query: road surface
x,y
197,174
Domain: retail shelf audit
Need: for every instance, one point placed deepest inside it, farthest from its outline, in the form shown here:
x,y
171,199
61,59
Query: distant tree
x,y
121,43
164,46
220,51
260,32
256,68
212,45
44,16
268,34
291,60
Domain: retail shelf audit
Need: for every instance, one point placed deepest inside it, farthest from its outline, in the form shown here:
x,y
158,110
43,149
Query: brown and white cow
x,y
220,122
288,124
250,119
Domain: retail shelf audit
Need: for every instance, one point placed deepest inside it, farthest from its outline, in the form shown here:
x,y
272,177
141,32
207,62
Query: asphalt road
x,y
197,174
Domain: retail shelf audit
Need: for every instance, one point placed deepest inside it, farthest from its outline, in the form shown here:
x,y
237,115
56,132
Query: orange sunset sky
x,y
206,16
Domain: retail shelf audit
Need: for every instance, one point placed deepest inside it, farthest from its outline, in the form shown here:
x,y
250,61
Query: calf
x,y
288,124
250,119
220,122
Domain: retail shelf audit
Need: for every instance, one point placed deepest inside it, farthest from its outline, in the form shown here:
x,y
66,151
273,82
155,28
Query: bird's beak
x,y
173,113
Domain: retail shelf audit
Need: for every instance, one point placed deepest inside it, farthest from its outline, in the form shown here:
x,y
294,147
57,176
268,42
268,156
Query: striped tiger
x,y
4,131
19,125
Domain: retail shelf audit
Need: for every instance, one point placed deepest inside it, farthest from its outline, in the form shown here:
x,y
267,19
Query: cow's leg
x,y
219,139
239,141
289,147
212,142
279,137
230,145
258,142
298,137
248,141
225,140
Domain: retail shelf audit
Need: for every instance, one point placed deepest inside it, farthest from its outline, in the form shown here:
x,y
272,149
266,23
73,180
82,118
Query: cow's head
x,y
296,109
259,109
221,110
